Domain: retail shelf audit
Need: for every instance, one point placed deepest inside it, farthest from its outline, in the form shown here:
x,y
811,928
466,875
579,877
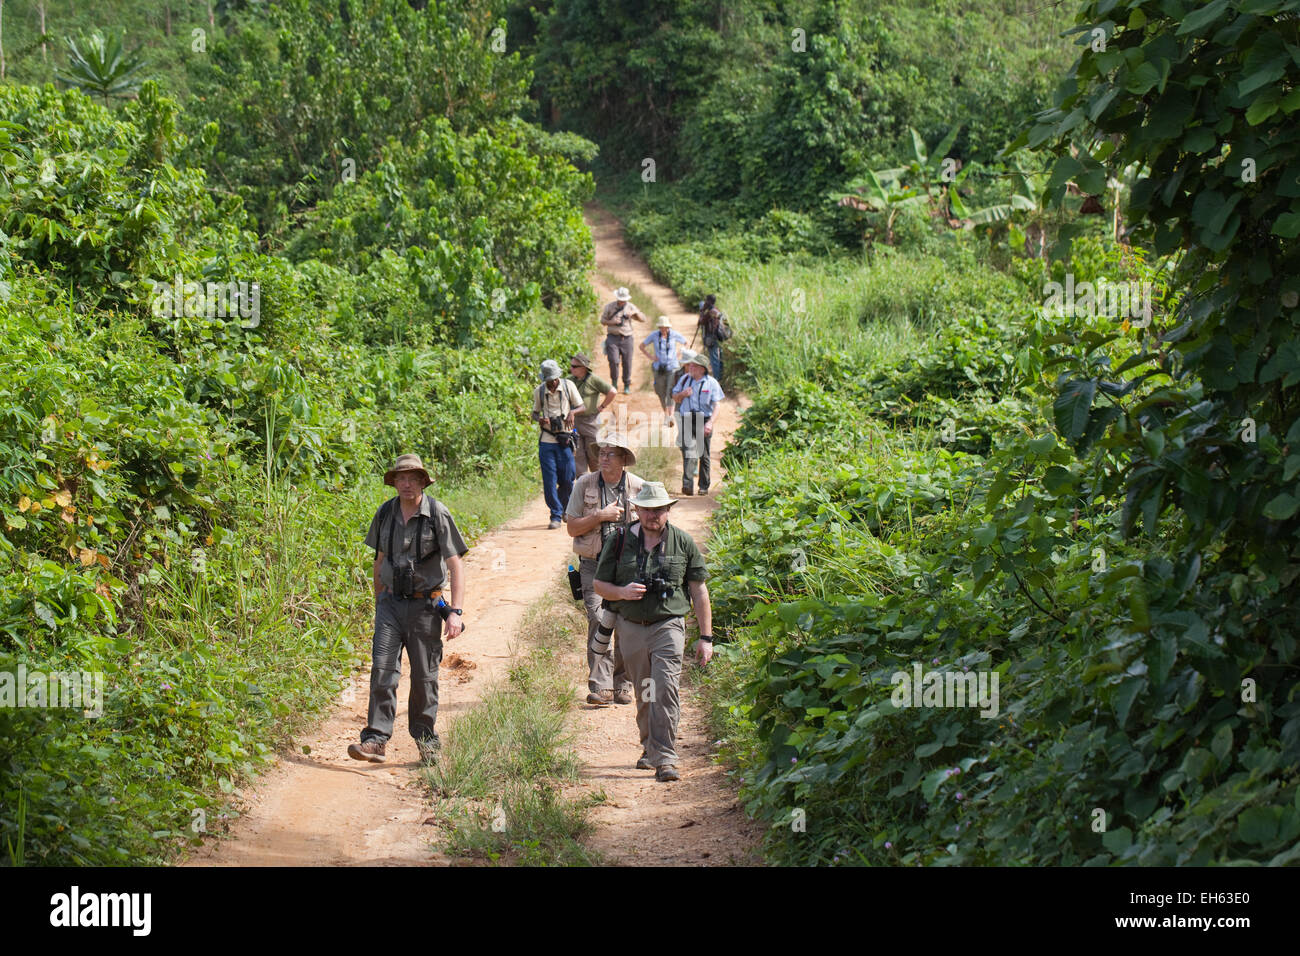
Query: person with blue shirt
x,y
697,394
664,361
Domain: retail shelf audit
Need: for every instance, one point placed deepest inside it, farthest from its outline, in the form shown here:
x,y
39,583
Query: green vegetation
x,y
499,777
937,472
194,423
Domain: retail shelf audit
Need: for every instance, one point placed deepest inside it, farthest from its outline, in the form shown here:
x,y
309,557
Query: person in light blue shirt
x,y
664,361
697,394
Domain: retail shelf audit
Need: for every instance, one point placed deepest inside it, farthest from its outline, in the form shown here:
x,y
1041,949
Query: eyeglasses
x,y
610,452
577,365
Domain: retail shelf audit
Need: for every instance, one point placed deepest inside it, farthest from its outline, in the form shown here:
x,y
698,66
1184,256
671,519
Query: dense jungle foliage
x,y
943,471
206,367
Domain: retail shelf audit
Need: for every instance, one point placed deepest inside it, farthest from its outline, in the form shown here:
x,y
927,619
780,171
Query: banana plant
x,y
881,191
104,68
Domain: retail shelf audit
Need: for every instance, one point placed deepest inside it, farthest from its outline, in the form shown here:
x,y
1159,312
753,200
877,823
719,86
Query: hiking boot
x,y
666,773
429,749
686,491
671,422
555,523
703,491
644,763
622,696
601,698
626,390
372,750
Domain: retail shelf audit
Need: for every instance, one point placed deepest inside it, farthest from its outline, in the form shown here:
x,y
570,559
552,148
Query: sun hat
x,y
694,358
608,438
664,323
406,463
550,370
653,495
582,359
622,294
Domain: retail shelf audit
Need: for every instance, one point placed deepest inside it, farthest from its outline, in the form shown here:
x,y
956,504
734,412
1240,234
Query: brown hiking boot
x,y
644,763
622,696
372,750
601,698
667,772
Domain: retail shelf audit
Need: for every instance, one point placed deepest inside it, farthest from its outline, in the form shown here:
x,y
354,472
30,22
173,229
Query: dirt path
x,y
318,807
695,821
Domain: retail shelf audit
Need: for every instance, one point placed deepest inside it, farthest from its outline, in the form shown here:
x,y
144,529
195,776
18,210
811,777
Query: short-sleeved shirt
x,y
560,402
430,534
589,495
590,389
704,397
665,349
624,327
676,556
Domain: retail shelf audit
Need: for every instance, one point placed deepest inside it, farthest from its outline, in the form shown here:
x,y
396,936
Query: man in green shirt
x,y
586,457
645,574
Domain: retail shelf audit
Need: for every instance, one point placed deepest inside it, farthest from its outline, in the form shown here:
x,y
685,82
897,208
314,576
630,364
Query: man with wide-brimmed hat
x,y
586,421
617,318
417,548
646,573
555,403
664,360
697,394
597,508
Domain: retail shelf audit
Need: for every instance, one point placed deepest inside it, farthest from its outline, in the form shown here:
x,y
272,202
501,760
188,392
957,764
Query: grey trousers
x,y
415,625
604,671
695,448
664,379
586,455
619,347
653,655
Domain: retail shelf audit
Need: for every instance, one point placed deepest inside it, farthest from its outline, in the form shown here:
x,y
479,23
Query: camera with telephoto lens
x,y
562,435
403,578
604,630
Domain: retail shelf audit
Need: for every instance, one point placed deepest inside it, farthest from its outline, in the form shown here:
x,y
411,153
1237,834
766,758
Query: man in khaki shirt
x,y
596,510
617,318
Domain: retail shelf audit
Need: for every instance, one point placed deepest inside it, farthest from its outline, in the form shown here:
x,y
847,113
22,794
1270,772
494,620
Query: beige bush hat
x,y
694,358
406,463
653,495
664,323
622,294
608,438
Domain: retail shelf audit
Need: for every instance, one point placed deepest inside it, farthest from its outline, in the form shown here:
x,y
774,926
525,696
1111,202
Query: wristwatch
x,y
707,637
456,610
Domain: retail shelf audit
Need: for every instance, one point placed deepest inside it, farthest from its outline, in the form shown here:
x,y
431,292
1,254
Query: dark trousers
x,y
715,360
415,625
557,476
586,457
619,347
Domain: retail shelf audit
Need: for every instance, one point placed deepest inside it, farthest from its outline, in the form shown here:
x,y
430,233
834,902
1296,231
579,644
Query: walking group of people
x,y
639,575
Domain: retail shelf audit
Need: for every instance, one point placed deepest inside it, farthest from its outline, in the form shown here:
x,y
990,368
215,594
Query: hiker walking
x,y
698,394
665,364
597,508
417,548
555,402
617,317
651,574
587,418
715,330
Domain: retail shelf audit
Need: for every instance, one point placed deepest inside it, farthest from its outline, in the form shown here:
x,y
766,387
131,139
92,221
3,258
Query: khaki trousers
x,y
586,454
652,654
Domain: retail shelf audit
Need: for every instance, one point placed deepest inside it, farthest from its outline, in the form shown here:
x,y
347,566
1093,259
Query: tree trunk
x,y
40,8
2,39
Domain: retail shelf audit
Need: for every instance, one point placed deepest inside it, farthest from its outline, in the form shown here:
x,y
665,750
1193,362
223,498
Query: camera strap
x,y
393,505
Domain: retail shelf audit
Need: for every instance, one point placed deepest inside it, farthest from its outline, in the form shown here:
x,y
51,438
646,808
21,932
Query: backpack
x,y
719,329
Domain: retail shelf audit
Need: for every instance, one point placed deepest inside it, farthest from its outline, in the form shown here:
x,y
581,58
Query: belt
x,y
415,595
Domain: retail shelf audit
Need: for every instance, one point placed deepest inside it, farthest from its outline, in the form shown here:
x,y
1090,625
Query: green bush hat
x,y
550,370
406,463
582,359
608,438
694,358
653,495
622,294
664,323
